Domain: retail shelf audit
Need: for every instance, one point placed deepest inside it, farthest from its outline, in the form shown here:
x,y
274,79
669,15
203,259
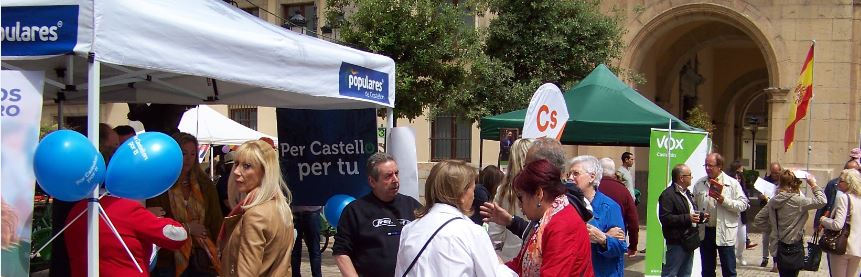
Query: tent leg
x,y
211,164
93,76
390,123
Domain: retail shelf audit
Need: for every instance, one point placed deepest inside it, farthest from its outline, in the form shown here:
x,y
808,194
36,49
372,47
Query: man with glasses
x,y
720,196
679,218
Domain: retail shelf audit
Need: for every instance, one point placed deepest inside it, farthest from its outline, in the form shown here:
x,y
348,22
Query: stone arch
x,y
664,21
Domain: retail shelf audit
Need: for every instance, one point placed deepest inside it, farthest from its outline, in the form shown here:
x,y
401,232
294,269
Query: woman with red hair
x,y
559,246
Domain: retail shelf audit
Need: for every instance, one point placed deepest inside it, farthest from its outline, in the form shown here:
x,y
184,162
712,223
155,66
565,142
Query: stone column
x,y
776,123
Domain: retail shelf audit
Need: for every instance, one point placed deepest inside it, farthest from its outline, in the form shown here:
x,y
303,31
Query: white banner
x,y
20,115
547,113
402,146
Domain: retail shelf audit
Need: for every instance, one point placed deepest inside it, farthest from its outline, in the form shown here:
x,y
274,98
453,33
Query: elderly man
x,y
369,229
678,214
608,246
617,191
720,196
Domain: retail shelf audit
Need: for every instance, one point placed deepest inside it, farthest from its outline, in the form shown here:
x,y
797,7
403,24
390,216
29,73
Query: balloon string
x,y
33,255
117,234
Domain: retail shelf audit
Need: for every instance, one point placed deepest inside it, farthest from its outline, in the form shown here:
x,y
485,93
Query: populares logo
x,y
365,83
669,143
39,30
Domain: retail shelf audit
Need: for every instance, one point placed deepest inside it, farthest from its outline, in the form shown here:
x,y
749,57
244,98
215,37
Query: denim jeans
x,y
679,262
308,227
708,247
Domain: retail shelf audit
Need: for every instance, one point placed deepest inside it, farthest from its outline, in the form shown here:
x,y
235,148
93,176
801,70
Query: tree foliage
x,y
544,41
426,38
445,66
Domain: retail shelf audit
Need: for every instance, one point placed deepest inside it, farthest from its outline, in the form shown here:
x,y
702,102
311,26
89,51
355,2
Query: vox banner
x,y
323,152
667,148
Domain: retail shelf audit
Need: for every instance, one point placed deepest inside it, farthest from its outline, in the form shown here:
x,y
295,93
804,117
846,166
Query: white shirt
x,y
724,217
461,248
629,179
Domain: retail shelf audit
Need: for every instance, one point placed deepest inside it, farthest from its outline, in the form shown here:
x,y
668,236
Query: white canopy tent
x,y
211,127
184,52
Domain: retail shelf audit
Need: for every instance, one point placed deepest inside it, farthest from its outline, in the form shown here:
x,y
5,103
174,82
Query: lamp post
x,y
754,122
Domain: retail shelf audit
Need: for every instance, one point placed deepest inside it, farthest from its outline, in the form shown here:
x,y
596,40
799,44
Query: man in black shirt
x,y
369,228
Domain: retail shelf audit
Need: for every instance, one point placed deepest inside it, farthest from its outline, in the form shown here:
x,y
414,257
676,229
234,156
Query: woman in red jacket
x,y
137,226
559,246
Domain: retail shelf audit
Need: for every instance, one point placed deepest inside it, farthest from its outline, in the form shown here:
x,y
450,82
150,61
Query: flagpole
x,y
810,119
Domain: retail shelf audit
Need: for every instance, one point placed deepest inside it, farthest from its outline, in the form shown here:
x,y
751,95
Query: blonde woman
x,y
442,241
257,236
506,243
847,204
192,201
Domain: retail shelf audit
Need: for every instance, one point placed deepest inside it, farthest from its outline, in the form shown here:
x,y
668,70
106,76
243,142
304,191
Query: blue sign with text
x,y
323,152
365,83
39,30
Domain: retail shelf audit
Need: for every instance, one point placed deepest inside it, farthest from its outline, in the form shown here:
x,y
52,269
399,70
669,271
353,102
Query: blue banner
x,y
365,83
39,30
323,153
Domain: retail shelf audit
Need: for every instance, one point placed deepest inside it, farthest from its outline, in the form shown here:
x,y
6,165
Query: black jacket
x,y
674,214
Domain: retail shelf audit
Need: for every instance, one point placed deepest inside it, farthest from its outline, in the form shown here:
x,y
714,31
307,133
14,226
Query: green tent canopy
x,y
603,110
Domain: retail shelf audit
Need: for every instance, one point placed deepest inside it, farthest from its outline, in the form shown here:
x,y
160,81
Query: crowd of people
x,y
547,216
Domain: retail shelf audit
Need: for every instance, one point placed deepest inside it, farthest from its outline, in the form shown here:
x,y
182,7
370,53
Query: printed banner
x,y
666,150
39,30
21,113
547,113
323,152
364,83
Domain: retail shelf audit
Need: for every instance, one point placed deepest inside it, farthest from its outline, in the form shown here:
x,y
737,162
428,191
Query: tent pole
x,y
669,157
211,164
93,89
390,123
480,152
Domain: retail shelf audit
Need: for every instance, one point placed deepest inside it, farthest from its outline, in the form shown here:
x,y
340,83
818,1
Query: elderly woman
x,y
257,236
505,242
605,228
786,213
848,204
559,246
192,201
442,241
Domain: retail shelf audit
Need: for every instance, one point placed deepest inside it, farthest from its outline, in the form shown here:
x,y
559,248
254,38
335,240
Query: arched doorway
x,y
710,56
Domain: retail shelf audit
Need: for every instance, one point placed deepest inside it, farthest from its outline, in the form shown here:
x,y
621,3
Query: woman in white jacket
x,y
847,205
442,241
508,244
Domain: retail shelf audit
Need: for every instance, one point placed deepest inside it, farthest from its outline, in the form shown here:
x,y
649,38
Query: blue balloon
x,y
68,166
144,166
335,206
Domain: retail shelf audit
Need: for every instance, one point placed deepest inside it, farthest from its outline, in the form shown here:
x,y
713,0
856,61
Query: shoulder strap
x,y
426,245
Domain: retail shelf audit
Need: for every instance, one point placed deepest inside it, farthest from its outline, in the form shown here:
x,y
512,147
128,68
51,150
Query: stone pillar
x,y
776,123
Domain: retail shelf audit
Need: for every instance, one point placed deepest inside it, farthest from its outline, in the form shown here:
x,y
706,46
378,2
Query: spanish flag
x,y
799,99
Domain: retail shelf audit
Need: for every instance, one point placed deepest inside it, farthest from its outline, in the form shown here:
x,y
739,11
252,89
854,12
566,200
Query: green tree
x,y
535,42
427,39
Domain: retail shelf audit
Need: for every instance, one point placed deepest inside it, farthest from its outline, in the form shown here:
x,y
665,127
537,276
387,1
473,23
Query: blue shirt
x,y
607,260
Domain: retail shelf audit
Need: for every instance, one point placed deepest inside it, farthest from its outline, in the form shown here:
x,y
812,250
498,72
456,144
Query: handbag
x,y
814,254
834,242
790,256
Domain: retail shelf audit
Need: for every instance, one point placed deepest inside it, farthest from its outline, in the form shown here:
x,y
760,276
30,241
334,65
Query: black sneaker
x,y
764,262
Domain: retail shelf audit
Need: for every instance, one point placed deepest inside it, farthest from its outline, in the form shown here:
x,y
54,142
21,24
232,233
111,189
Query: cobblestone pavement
x,y
633,266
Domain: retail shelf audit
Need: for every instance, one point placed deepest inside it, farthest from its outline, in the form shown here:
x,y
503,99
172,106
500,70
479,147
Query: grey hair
x,y
547,149
374,160
608,167
591,165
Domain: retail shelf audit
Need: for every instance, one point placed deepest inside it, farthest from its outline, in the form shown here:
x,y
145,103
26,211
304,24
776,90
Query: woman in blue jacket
x,y
606,228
